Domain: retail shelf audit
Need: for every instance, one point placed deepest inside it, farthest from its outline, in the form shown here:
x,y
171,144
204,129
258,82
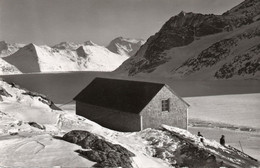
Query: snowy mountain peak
x,y
3,43
130,40
248,8
66,46
100,58
125,46
3,46
29,48
7,49
30,45
25,59
90,43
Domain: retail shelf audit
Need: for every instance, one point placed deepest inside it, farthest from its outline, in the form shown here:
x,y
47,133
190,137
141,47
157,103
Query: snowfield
x,y
242,109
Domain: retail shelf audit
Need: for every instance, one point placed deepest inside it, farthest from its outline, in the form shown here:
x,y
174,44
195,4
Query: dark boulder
x,y
102,145
88,141
105,153
36,125
76,136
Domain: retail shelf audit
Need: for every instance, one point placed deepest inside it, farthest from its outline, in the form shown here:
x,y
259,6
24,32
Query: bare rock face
x,y
244,64
81,52
103,152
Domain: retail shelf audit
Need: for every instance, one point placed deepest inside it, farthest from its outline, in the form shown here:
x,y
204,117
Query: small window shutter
x,y
169,101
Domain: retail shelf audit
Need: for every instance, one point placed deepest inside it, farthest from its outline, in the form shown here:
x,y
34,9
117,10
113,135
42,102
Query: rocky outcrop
x,y
244,13
99,150
182,149
43,99
3,92
220,51
247,63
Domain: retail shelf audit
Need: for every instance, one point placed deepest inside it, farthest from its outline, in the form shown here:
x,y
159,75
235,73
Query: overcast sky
x,y
53,21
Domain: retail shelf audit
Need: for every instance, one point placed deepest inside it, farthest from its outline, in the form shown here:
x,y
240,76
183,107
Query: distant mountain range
x,y
197,46
190,46
65,56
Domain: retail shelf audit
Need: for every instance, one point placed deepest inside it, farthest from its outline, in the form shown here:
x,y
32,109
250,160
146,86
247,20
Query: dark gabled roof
x,y
123,95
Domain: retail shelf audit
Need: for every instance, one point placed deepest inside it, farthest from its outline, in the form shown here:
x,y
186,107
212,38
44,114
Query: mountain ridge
x,y
61,57
184,30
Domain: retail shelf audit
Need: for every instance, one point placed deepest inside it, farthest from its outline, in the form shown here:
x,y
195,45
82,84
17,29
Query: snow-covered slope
x,y
125,46
64,57
99,58
7,49
66,46
197,46
33,131
6,68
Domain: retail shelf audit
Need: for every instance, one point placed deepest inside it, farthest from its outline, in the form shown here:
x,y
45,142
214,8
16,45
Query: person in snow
x,y
201,137
222,140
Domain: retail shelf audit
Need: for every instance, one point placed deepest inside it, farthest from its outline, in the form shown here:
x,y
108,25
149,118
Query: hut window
x,y
165,105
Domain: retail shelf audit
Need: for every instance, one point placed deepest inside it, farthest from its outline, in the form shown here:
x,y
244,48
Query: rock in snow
x,y
101,151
